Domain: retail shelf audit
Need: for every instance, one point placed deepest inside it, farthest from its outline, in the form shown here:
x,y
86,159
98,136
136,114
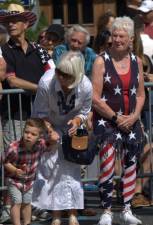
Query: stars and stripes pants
x,y
107,171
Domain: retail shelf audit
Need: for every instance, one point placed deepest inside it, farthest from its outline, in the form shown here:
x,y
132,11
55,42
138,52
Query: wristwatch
x,y
114,118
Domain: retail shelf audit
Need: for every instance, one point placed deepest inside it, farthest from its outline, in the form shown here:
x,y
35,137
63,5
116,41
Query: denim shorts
x,y
17,196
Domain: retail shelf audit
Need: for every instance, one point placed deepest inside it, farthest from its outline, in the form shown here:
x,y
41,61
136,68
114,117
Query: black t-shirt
x,y
27,66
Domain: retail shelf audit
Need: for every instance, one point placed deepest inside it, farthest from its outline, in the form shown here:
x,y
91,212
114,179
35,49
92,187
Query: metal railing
x,y
90,175
10,92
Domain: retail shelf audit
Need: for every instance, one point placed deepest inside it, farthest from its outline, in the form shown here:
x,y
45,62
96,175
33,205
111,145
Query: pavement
x,y
92,200
144,214
146,217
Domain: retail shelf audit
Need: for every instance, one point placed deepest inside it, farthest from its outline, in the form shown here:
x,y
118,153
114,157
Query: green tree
x,y
42,23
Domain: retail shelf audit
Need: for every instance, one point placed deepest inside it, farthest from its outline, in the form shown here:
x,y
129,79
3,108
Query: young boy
x,y
21,161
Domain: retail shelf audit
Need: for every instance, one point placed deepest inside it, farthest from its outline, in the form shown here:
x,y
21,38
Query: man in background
x,y
146,9
26,63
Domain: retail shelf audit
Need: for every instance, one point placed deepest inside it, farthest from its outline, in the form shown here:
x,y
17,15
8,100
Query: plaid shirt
x,y
18,155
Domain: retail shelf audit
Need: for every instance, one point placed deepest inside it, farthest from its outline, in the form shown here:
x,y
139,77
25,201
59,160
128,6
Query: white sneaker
x,y
129,219
106,219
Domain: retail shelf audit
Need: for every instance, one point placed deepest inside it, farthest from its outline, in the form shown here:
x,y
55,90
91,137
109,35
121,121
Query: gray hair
x,y
77,28
72,63
125,23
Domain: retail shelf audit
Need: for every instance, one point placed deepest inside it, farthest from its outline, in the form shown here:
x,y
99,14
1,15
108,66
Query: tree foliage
x,y
42,23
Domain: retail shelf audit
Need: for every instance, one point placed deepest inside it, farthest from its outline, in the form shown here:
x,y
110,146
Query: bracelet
x,y
114,118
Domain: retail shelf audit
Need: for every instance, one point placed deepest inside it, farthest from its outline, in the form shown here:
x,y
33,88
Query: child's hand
x,y
19,173
24,167
53,137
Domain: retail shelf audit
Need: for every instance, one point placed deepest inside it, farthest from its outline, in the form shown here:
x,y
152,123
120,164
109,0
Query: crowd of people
x,y
69,85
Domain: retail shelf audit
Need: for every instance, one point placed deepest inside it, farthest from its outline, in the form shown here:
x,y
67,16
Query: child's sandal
x,y
73,220
56,221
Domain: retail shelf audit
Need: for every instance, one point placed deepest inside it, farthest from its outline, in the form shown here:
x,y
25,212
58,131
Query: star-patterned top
x,y
44,56
113,95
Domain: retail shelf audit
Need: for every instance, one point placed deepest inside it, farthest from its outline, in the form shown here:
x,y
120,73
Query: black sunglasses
x,y
64,75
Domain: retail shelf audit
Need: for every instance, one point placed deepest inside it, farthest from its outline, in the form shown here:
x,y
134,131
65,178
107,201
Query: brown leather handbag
x,y
80,148
80,143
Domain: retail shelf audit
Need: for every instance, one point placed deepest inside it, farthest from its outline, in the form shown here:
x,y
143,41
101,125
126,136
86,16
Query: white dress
x,y
58,184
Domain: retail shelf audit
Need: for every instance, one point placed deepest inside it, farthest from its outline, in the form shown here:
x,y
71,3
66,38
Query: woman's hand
x,y
19,173
75,123
125,122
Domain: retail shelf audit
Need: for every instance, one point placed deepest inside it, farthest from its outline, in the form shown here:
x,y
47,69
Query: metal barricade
x,y
10,92
92,171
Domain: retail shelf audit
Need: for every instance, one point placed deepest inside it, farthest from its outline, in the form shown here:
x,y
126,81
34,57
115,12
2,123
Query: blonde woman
x,y
64,99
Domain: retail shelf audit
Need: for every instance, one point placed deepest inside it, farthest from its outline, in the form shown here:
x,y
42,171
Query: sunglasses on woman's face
x,y
64,75
15,19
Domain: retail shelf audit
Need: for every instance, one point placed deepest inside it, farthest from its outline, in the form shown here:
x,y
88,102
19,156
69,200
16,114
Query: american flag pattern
x,y
113,95
44,56
113,139
107,170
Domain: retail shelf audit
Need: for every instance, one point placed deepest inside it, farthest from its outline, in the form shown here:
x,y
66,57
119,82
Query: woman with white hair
x,y
76,39
64,99
118,98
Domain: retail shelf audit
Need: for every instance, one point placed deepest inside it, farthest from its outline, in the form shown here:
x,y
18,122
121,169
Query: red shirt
x,y
149,30
125,78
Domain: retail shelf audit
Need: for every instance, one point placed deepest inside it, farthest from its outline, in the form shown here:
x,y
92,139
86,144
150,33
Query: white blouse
x,y
47,102
58,184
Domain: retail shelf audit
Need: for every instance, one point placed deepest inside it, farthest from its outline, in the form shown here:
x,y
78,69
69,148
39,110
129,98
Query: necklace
x,y
123,66
120,61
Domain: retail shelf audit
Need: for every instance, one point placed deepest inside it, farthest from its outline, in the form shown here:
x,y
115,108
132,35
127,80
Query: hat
x,y
146,6
15,10
56,29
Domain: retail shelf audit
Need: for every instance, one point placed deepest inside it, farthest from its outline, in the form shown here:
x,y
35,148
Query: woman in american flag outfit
x,y
118,98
